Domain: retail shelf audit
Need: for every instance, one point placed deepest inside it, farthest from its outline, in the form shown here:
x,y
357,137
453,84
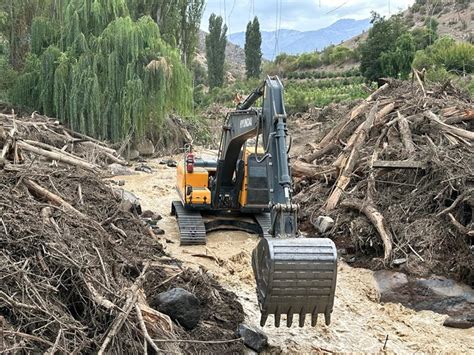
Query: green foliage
x,y
285,64
376,56
397,63
216,42
300,95
7,78
101,72
446,53
253,52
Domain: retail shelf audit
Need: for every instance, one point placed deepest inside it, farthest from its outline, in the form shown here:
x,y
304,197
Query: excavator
x,y
249,187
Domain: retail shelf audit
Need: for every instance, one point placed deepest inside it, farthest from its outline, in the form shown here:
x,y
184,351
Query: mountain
x,y
296,42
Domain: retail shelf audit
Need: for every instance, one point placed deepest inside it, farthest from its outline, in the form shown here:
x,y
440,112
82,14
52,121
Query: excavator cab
x,y
249,187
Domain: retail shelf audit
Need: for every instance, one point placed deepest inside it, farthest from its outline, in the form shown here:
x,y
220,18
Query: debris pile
x,y
396,174
80,273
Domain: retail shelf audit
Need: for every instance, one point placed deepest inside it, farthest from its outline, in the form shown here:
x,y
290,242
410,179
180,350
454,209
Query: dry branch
x,y
53,198
377,220
302,169
405,134
451,129
398,164
350,159
60,157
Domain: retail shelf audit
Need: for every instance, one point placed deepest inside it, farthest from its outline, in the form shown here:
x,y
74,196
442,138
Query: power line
x,y
337,8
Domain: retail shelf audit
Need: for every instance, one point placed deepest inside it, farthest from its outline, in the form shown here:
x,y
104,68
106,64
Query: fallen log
x,y
51,197
301,169
60,157
450,129
349,160
377,219
398,164
358,110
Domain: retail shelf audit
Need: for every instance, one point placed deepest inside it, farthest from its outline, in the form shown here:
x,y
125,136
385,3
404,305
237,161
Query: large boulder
x,y
254,338
181,306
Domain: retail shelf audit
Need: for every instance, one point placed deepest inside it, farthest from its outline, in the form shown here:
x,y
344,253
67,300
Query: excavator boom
x,y
294,275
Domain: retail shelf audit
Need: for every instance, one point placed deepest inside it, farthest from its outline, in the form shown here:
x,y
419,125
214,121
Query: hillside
x,y
296,42
454,20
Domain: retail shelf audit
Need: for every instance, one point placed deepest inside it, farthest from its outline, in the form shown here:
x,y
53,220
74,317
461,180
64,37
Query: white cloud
x,y
303,15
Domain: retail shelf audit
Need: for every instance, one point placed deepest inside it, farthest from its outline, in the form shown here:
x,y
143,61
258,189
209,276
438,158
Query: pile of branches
x,y
396,173
41,136
77,270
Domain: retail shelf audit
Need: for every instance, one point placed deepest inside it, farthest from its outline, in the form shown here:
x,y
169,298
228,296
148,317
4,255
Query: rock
x,y
130,202
323,224
145,147
117,169
400,261
158,230
171,163
144,168
181,305
253,338
388,283
460,322
151,215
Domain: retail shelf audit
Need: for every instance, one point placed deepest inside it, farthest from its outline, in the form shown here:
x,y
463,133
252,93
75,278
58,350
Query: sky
x,y
302,15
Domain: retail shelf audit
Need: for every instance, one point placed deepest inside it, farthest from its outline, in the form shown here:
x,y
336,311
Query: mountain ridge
x,y
297,42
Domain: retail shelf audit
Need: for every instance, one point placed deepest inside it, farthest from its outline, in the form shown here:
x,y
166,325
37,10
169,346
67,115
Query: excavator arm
x,y
294,275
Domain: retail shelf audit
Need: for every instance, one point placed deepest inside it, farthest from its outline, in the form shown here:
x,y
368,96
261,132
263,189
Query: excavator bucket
x,y
295,276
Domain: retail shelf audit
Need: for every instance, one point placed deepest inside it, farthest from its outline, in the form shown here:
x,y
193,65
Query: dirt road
x,y
359,322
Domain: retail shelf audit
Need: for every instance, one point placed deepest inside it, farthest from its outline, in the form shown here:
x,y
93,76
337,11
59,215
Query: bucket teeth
x,y
314,317
301,320
277,317
327,317
289,318
295,276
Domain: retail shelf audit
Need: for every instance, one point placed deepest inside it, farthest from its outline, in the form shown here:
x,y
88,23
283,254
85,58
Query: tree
x,y
101,72
382,38
216,42
397,63
253,51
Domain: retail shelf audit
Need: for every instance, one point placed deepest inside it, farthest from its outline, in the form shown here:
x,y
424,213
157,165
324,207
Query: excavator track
x,y
191,226
295,276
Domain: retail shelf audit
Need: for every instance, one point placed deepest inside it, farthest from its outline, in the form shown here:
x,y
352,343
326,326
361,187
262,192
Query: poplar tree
x,y
253,51
216,42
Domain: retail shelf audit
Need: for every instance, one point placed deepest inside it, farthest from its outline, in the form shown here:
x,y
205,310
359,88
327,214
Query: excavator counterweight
x,y
250,188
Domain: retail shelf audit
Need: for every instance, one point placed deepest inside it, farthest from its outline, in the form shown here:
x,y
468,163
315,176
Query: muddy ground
x,y
359,323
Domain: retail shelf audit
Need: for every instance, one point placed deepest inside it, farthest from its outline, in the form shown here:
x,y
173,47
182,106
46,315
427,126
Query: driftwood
x,y
53,198
60,157
405,134
398,164
127,308
350,159
450,129
377,220
302,169
329,141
